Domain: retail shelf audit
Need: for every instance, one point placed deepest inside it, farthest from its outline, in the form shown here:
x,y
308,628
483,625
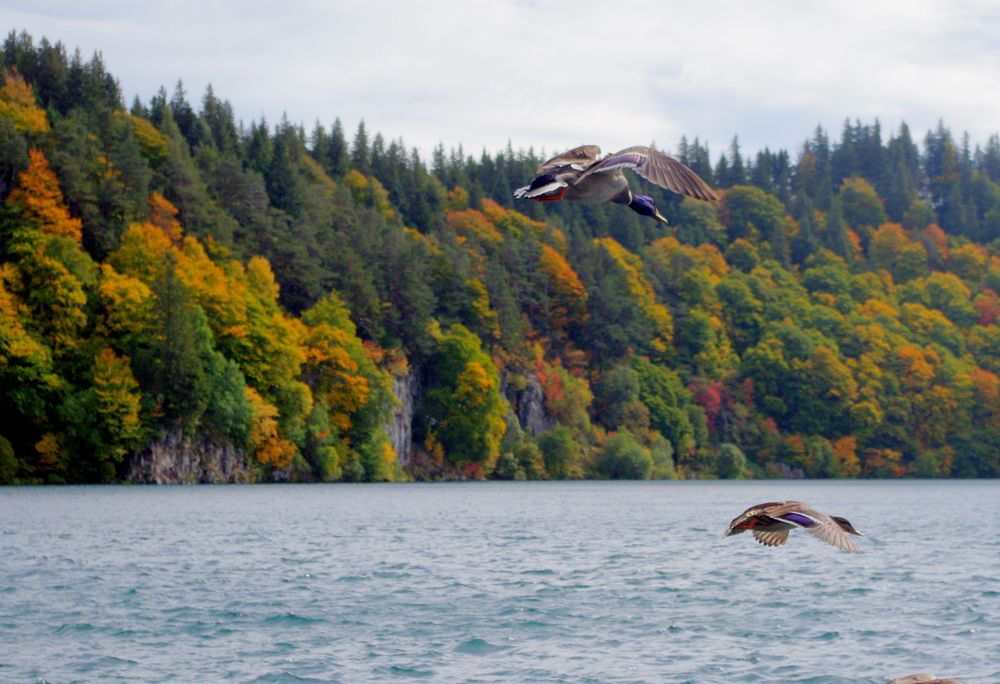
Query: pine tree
x,y
283,184
169,366
944,168
337,161
807,241
360,150
737,169
319,142
722,172
217,116
901,175
701,161
835,236
813,175
184,115
989,161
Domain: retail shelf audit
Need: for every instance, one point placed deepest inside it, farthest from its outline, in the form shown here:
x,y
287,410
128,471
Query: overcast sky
x,y
553,74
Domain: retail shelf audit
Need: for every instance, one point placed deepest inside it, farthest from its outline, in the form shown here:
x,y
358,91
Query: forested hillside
x,y
312,305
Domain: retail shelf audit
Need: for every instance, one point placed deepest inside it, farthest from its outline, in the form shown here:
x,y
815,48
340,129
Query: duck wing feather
x,y
559,172
579,158
820,525
771,537
658,168
752,512
830,532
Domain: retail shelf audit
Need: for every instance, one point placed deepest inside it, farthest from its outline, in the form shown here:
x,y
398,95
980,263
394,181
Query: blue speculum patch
x,y
799,519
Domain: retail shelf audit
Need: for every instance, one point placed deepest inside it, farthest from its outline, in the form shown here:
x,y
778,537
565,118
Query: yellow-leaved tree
x,y
49,267
464,406
113,402
625,299
17,103
354,393
260,342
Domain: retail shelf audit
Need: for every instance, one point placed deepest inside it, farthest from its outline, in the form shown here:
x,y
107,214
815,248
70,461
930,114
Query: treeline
x,y
167,270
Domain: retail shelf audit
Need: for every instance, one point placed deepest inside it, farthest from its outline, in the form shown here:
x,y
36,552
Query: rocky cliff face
x,y
400,428
529,404
174,459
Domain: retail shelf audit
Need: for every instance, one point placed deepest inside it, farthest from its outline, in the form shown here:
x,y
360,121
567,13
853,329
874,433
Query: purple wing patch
x,y
798,519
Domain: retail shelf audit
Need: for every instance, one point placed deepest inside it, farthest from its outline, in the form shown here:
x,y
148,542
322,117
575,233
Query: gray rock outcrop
x,y
175,459
400,428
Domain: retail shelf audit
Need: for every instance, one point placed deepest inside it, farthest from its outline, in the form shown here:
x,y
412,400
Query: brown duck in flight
x,y
923,679
583,175
770,523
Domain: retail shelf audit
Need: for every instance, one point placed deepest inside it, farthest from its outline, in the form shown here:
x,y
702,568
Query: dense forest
x,y
321,307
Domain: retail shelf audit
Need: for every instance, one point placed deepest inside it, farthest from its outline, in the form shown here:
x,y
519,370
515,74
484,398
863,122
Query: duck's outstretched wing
x,y
820,525
579,158
658,168
559,172
830,532
771,538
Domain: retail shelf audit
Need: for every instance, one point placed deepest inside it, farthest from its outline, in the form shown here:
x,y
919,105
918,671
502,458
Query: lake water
x,y
495,582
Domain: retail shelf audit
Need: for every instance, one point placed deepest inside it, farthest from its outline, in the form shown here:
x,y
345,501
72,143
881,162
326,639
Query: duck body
x,y
603,187
770,523
606,187
584,175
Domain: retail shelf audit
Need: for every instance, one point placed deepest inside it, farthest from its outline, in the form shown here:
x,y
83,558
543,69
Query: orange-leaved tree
x,y
38,200
567,294
353,391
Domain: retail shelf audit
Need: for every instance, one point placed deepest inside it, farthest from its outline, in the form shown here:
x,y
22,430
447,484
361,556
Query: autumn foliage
x,y
17,103
319,308
39,201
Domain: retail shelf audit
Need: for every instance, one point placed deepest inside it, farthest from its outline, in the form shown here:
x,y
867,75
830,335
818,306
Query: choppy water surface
x,y
574,582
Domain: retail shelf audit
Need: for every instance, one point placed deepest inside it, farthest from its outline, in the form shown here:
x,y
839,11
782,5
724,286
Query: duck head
x,y
740,525
643,204
846,525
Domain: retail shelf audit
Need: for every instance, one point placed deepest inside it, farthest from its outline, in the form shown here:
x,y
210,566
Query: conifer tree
x,y
169,366
835,235
360,151
217,116
337,161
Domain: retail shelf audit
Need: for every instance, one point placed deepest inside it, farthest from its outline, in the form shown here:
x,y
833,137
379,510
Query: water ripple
x,y
555,582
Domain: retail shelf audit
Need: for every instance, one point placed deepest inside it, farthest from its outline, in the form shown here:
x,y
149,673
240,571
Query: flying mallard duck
x,y
582,175
770,523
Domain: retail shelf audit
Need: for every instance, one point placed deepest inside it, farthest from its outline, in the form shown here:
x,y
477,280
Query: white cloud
x,y
551,74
